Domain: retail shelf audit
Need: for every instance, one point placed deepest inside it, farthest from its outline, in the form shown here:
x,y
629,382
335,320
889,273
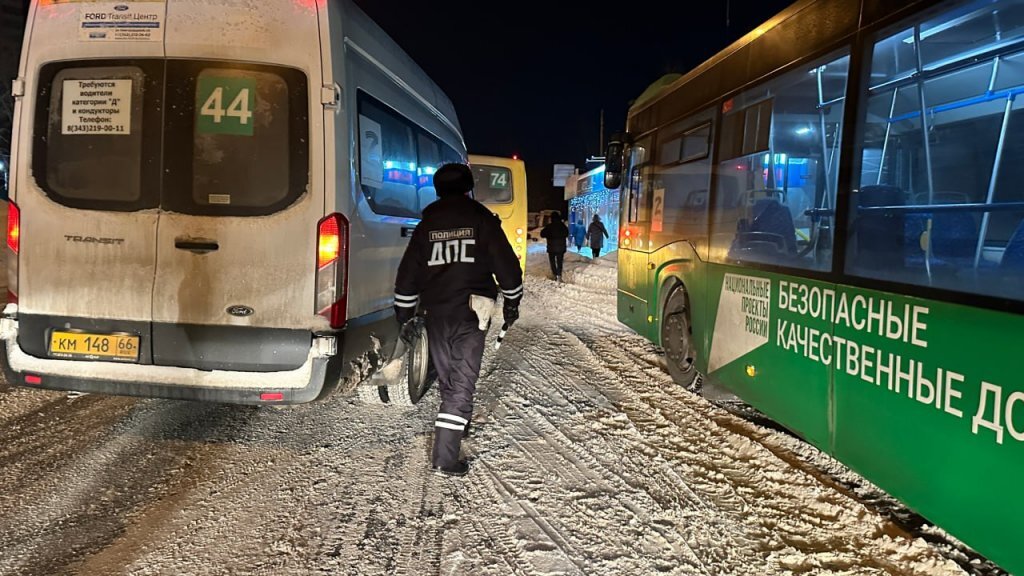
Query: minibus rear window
x,y
237,138
92,142
195,137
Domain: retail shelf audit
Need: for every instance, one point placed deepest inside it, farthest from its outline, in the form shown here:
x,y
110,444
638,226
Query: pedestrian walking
x,y
596,233
579,234
450,265
556,234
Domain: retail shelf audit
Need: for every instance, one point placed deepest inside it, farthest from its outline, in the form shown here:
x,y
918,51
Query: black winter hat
x,y
452,179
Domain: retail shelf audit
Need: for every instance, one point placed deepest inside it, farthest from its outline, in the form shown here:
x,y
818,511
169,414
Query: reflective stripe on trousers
x,y
456,348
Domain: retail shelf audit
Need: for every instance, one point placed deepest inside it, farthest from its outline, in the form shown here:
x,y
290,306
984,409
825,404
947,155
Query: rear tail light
x,y
272,396
33,379
13,227
332,269
14,245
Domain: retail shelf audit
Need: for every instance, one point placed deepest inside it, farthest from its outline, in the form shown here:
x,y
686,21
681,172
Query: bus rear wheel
x,y
677,340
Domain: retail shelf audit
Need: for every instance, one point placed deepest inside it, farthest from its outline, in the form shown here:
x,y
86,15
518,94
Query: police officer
x,y
452,260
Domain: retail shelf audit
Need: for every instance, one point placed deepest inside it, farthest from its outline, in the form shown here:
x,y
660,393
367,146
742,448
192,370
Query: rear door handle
x,y
198,246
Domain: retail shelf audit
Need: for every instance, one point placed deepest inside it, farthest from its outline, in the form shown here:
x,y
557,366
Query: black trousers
x,y
457,348
556,262
596,250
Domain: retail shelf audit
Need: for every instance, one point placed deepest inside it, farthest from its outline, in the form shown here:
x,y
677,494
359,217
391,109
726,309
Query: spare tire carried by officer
x,y
448,274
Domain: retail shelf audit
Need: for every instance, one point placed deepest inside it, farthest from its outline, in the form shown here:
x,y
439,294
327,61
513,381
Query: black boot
x,y
460,468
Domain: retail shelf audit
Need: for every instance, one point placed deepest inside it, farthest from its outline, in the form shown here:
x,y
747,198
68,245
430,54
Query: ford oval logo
x,y
121,7
240,311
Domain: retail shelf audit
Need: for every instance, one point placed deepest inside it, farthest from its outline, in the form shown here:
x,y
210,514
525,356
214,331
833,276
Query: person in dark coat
x,y
579,234
556,234
597,233
449,267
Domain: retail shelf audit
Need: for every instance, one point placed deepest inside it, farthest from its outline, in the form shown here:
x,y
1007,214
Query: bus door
x,y
634,292
243,191
87,190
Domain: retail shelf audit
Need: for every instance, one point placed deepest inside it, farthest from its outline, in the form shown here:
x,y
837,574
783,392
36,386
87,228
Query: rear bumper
x,y
303,384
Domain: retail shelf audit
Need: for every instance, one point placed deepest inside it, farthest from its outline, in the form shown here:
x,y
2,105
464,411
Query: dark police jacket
x,y
556,234
457,250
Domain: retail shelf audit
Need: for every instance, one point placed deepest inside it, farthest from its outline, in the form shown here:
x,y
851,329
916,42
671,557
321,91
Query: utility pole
x,y
728,5
600,142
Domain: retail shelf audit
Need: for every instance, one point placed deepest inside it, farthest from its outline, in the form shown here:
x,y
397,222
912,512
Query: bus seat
x,y
769,236
1013,256
954,235
880,236
772,217
752,197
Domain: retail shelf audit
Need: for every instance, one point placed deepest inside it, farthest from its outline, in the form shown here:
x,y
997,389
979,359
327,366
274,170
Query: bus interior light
x,y
751,370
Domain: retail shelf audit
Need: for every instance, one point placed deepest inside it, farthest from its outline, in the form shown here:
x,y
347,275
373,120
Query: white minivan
x,y
209,200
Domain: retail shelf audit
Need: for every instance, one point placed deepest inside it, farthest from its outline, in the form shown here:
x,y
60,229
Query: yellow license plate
x,y
84,346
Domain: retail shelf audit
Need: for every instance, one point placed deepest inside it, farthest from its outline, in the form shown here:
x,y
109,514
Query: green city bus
x,y
827,220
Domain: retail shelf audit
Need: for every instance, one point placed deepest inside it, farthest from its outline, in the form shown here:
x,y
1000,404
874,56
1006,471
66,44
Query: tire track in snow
x,y
584,457
80,504
421,547
362,510
485,544
566,552
582,465
788,526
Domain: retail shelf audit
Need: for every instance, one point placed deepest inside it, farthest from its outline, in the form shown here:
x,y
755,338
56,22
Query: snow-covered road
x,y
586,460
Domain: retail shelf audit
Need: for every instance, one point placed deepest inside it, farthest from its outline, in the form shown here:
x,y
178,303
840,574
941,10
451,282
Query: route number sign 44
x,y
225,106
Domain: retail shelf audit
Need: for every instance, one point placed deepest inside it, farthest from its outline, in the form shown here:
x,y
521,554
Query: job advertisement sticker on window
x,y
97,107
371,161
141,21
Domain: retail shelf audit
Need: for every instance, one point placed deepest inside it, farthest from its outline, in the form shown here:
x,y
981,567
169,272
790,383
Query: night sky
x,y
530,78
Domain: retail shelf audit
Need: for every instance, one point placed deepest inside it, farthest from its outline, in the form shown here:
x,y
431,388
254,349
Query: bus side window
x,y
941,149
387,160
639,181
681,182
778,167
